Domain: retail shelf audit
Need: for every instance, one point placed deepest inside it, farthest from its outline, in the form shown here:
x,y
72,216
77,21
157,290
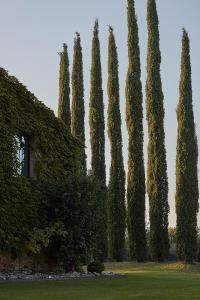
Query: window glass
x,y
23,154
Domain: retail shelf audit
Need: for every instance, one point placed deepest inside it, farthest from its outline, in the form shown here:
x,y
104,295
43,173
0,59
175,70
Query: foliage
x,y
157,181
134,121
97,135
40,237
97,123
100,227
54,152
198,245
187,192
116,189
96,267
78,110
70,210
64,89
18,215
172,235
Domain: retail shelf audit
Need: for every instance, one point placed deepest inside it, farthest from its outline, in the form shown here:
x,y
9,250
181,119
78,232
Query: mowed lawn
x,y
146,281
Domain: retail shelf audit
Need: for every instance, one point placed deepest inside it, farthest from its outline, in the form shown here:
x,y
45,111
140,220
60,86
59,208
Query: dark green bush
x,y
70,221
96,267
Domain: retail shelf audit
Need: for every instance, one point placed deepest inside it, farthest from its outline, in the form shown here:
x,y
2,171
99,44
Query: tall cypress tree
x,y
157,182
134,121
96,118
78,110
187,192
97,140
116,189
64,89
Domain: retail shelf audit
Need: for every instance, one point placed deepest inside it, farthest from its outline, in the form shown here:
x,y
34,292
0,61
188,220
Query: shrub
x,y
70,225
96,267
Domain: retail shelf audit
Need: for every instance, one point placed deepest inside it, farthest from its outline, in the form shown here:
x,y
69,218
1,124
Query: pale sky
x,y
32,33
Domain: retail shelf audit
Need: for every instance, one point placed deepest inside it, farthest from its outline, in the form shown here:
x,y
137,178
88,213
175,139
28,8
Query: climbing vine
x,y
55,156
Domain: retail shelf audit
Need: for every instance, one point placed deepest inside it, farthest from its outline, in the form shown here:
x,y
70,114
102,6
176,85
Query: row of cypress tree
x,y
113,206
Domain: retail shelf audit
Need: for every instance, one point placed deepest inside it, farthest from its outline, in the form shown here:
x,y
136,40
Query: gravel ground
x,y
30,276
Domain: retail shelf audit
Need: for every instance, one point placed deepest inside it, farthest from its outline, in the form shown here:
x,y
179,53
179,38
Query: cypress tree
x,y
64,89
97,140
96,118
78,110
187,192
134,121
157,182
116,189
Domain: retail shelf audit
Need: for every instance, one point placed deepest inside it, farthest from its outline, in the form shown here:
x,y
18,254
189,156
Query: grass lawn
x,y
145,281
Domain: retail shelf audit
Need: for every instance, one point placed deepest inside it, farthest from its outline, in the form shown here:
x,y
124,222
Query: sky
x,y
32,33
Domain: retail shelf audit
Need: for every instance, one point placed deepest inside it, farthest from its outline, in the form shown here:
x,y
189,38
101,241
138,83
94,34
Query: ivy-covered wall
x,y
55,157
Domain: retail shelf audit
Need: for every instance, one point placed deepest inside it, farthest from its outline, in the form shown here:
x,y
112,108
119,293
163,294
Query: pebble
x,y
30,276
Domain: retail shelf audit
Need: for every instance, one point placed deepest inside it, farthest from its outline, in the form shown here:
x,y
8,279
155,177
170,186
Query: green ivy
x,y
56,155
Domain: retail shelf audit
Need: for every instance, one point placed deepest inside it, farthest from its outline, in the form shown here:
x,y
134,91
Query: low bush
x,y
95,267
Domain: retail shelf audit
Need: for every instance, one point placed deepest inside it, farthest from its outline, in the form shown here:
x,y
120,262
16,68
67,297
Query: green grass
x,y
145,281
